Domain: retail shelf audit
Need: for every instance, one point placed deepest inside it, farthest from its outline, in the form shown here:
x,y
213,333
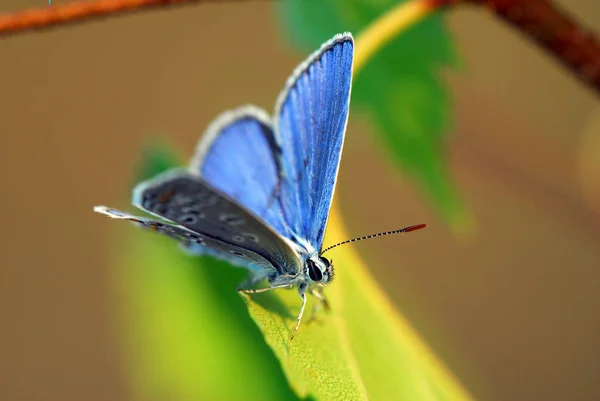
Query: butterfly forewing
x,y
310,123
195,241
188,200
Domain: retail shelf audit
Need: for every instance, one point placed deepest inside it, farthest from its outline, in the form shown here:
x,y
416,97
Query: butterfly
x,y
258,190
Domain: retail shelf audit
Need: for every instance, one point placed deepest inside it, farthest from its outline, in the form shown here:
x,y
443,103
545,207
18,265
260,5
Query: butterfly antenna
x,y
402,230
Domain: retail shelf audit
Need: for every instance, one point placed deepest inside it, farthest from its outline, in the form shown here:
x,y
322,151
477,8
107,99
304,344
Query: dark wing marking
x,y
195,241
186,199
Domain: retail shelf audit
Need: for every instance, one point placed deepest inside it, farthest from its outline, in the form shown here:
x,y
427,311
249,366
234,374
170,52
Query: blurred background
x,y
513,312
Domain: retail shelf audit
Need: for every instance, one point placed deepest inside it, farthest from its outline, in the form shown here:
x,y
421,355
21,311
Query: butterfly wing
x,y
186,199
310,122
287,175
222,250
239,156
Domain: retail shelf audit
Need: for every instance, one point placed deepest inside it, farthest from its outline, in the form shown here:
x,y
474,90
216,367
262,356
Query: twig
x,y
551,28
78,12
539,20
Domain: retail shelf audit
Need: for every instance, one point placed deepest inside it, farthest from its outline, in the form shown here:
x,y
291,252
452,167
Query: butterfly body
x,y
258,190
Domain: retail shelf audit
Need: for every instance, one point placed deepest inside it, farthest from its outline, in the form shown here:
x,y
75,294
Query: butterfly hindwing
x,y
239,156
188,200
310,122
236,255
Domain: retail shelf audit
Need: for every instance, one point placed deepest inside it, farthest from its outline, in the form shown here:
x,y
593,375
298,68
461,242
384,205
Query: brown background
x,y
514,313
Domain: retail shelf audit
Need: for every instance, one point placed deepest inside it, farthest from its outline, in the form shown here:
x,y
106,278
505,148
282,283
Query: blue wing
x,y
187,200
310,122
286,175
239,156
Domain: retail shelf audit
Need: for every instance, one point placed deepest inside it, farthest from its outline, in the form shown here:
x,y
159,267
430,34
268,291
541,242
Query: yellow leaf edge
x,y
404,330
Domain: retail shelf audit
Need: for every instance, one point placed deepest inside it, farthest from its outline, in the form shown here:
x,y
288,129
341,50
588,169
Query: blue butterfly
x,y
259,189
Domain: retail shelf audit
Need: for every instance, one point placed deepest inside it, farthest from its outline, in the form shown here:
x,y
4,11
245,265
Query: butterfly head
x,y
319,270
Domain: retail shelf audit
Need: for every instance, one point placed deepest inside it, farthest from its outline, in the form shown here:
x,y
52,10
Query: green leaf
x,y
399,89
362,349
319,360
187,333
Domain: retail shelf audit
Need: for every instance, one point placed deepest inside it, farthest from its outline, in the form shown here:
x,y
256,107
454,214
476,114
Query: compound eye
x,y
314,272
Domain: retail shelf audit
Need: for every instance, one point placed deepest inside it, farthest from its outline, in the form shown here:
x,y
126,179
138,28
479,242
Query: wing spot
x,y
237,253
231,219
238,238
149,196
251,237
189,219
195,238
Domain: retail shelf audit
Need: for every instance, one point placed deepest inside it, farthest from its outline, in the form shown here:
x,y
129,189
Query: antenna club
x,y
415,228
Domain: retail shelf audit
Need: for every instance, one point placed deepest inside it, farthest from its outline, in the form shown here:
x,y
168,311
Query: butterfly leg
x,y
257,290
283,281
302,291
321,301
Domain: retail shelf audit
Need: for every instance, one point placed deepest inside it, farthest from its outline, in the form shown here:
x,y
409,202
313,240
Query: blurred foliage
x,y
157,156
189,335
399,89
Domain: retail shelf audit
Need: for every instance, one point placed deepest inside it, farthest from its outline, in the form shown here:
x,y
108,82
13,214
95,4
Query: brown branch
x,y
539,20
77,12
554,30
